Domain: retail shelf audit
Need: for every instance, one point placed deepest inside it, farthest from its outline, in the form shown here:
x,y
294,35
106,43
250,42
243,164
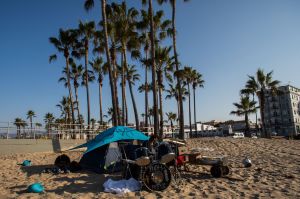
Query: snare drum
x,y
142,156
165,153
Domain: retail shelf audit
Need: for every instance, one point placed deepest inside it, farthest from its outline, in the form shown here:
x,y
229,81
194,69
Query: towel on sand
x,y
121,186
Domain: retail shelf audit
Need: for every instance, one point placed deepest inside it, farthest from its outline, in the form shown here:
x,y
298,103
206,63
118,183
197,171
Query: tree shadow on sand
x,y
19,189
82,184
35,169
90,182
78,182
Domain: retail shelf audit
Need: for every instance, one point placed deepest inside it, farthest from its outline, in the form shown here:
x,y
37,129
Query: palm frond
x,y
52,58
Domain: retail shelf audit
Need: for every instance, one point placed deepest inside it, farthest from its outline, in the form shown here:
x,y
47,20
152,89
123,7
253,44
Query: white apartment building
x,y
282,112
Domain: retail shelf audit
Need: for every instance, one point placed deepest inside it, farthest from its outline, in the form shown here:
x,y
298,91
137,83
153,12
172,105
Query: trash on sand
x,y
35,188
26,163
247,162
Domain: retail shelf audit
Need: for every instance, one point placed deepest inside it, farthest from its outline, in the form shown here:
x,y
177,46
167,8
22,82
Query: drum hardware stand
x,y
127,161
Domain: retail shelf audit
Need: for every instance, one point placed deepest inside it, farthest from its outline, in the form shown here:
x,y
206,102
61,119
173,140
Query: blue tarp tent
x,y
103,150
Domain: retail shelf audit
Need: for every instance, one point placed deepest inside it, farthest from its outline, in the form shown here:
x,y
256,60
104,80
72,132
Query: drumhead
x,y
157,177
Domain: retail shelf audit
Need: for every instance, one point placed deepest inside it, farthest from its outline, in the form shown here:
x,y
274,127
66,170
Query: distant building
x,y
282,112
212,122
231,126
204,127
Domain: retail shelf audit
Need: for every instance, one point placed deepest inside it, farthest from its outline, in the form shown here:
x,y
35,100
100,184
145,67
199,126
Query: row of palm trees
x,y
256,86
22,124
125,32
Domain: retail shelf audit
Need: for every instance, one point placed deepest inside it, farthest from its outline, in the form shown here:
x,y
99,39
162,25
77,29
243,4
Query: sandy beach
x,y
275,173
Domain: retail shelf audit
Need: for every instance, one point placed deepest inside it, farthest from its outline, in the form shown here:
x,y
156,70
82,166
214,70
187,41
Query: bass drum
x,y
157,177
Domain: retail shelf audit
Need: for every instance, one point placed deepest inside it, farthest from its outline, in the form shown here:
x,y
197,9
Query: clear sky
x,y
224,39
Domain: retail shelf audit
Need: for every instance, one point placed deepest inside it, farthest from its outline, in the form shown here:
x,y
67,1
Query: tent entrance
x,y
104,159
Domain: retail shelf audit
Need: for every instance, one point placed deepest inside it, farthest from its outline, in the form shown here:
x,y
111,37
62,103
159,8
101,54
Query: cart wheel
x,y
226,170
216,171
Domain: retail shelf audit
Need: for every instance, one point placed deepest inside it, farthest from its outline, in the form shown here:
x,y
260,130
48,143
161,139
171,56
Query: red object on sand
x,y
180,160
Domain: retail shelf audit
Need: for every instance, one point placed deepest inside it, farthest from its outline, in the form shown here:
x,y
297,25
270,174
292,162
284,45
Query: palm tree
x,y
64,107
93,121
171,117
23,124
76,72
163,66
30,116
17,123
48,118
65,43
109,115
181,116
187,73
197,81
97,66
125,30
144,39
152,58
91,78
172,92
251,89
150,114
88,5
244,108
260,83
86,32
38,124
132,76
160,32
145,88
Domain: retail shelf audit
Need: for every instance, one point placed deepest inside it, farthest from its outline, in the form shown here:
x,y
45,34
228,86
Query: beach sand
x,y
275,173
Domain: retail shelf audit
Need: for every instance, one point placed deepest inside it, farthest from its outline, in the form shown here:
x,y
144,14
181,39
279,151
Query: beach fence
x,y
26,130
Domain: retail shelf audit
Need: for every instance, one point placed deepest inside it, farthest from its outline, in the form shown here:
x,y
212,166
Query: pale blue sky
x,y
224,39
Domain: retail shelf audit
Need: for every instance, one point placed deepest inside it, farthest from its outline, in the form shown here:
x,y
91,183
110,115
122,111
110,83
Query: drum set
x,y
156,169
150,167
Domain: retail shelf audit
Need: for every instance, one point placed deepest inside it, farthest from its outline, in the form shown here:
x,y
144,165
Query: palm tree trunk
x,y
256,126
18,132
136,115
247,124
150,121
155,108
100,102
178,110
161,120
195,119
77,101
190,115
70,89
115,72
87,83
111,78
30,124
69,117
181,114
262,112
126,109
123,87
146,93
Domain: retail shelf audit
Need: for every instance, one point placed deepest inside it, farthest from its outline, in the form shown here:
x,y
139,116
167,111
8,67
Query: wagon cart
x,y
184,158
219,164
